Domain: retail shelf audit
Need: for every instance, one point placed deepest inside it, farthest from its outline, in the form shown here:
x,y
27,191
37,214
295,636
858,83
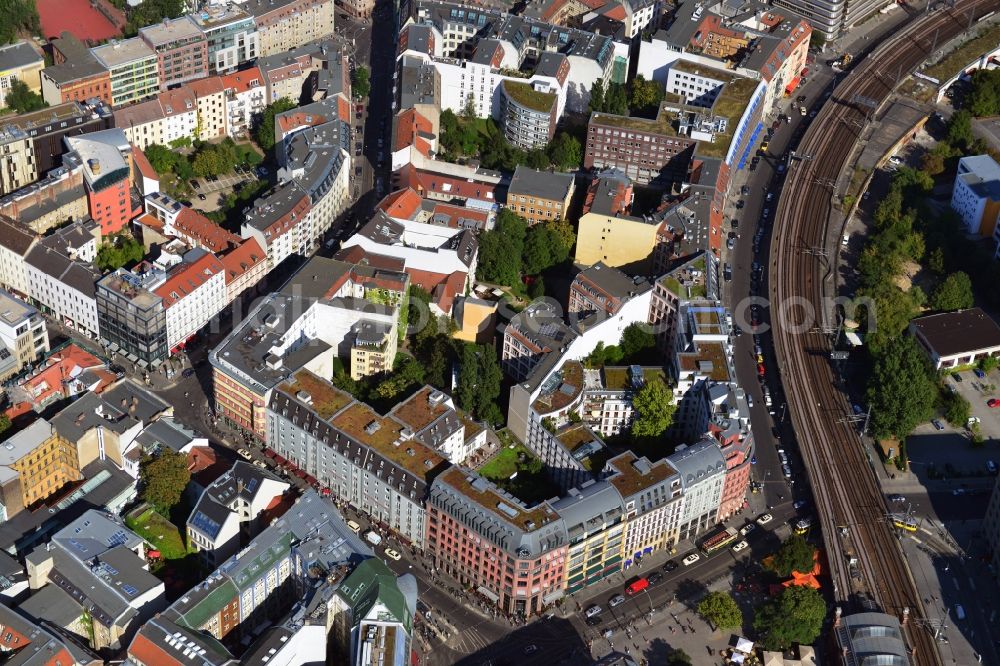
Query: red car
x,y
760,371
993,402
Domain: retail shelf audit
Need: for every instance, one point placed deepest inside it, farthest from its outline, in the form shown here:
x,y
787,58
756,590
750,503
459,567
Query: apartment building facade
x,y
231,36
131,317
20,62
134,70
527,114
192,293
511,554
540,196
288,24
181,50
23,334
372,462
36,463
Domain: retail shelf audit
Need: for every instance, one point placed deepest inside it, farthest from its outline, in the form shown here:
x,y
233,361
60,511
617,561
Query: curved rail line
x,y
850,505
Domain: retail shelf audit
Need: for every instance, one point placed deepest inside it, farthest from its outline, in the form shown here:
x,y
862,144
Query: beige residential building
x,y
213,121
359,8
608,233
373,350
23,335
540,196
34,463
143,123
283,25
20,62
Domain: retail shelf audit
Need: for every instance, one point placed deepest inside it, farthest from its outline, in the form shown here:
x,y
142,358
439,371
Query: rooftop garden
x,y
326,400
731,104
518,471
526,96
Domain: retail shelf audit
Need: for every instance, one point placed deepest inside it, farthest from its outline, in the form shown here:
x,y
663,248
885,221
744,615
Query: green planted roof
x,y
528,97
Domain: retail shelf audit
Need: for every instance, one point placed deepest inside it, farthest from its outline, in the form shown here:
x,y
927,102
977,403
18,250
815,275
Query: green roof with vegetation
x,y
705,72
663,125
327,400
210,606
526,96
731,104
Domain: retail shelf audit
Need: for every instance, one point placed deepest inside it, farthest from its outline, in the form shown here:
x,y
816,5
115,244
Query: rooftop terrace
x,y
526,96
422,408
561,389
634,475
731,103
385,435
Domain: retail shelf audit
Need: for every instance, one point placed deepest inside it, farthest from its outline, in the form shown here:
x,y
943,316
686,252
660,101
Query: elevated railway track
x,y
865,556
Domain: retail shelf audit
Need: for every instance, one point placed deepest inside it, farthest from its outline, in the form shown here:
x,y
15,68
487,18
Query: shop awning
x,y
299,473
311,480
269,453
792,85
279,460
489,594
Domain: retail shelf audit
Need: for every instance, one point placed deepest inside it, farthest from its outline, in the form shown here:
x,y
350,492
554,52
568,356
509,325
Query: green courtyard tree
x,y
654,409
720,610
796,616
20,98
501,249
953,293
565,151
956,409
638,343
678,657
164,478
119,250
795,554
361,82
901,389
264,126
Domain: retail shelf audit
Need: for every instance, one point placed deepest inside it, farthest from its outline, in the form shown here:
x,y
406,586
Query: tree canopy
x,y
638,344
479,380
796,616
719,609
119,250
164,478
654,409
264,124
469,136
361,82
150,12
983,98
795,554
20,98
500,250
953,293
19,16
901,389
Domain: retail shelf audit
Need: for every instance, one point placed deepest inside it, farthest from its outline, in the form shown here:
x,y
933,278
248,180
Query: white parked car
x,y
691,559
594,610
747,529
258,463
765,519
740,546
392,554
244,454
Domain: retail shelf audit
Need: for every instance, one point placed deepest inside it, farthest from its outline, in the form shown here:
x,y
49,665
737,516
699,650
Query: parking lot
x,y
949,451
208,194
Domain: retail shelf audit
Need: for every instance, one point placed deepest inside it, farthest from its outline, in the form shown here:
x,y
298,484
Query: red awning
x,y
299,473
310,480
269,453
792,85
153,554
326,491
805,71
279,460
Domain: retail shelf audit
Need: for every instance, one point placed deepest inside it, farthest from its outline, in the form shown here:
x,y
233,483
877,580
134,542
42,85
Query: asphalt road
x,y
737,295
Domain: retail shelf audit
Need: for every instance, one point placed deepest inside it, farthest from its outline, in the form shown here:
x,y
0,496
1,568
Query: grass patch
x,y
531,485
159,533
968,51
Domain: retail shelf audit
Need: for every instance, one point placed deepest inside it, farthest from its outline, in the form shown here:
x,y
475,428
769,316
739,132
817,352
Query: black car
x,y
194,184
740,204
670,565
202,197
593,621
745,190
654,578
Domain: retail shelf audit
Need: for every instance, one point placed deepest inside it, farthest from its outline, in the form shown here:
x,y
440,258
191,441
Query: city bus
x,y
719,540
904,522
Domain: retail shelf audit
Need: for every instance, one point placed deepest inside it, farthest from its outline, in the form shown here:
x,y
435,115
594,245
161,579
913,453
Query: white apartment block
x,y
15,241
192,294
702,470
22,331
975,195
61,276
699,86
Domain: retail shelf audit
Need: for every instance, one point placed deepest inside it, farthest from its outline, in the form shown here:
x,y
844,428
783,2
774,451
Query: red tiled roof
x,y
444,288
409,124
344,109
150,221
243,81
453,212
187,278
200,458
178,101
204,232
147,652
459,188
357,255
143,165
402,204
617,13
210,85
243,258
294,121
